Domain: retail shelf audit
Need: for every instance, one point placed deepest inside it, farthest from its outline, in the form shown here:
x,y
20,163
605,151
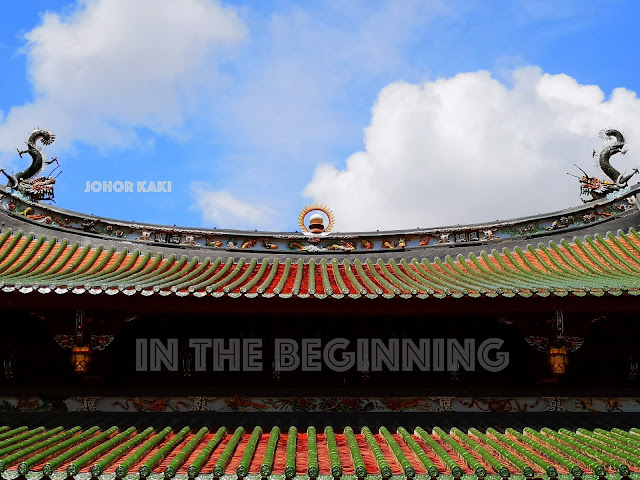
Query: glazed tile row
x,y
319,452
597,265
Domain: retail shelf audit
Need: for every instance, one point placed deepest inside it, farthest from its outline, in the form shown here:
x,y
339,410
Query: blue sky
x,y
395,114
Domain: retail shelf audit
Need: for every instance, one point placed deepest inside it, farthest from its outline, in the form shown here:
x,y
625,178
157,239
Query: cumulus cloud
x,y
111,66
469,149
222,208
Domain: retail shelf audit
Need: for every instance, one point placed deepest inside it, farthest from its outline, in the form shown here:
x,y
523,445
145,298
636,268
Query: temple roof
x,y
319,453
591,266
588,250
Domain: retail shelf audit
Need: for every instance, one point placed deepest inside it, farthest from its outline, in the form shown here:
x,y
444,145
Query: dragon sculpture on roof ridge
x,y
38,188
610,150
596,187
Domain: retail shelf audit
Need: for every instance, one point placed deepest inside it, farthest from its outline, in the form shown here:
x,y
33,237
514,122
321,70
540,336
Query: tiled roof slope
x,y
319,453
594,265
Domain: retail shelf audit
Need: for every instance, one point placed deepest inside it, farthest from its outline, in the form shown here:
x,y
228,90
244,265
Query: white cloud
x,y
468,149
115,65
222,209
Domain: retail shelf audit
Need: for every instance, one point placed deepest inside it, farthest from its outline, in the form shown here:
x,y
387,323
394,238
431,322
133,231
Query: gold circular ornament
x,y
315,209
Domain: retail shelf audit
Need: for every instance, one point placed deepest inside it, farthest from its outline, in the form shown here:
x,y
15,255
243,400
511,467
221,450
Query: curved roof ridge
x,y
55,218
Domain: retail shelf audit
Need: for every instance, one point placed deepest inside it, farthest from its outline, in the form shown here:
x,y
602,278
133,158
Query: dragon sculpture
x,y
596,187
38,188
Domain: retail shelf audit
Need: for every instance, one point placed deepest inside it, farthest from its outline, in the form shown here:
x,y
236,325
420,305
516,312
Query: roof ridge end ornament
x,y
25,182
618,183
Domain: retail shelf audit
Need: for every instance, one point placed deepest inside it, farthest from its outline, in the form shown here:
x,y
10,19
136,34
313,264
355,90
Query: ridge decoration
x,y
18,205
309,209
598,188
38,188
